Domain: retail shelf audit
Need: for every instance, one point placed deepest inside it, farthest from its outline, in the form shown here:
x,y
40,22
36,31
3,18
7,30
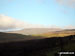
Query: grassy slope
x,y
67,48
57,34
10,37
70,46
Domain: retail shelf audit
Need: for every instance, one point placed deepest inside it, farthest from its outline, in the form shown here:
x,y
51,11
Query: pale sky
x,y
45,12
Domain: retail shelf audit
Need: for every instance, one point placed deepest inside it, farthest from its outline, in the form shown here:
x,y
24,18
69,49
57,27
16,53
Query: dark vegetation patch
x,y
34,46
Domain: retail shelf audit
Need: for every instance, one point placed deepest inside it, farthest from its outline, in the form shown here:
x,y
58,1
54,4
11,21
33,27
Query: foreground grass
x,y
34,46
68,47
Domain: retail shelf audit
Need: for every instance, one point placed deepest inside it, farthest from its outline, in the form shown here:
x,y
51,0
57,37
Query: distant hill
x,y
69,30
31,31
34,34
62,33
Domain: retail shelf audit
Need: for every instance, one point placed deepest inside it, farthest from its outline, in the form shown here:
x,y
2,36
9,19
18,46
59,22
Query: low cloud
x,y
10,23
69,3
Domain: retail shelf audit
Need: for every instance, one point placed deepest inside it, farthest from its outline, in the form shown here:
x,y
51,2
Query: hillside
x,y
23,45
30,31
20,35
61,33
10,37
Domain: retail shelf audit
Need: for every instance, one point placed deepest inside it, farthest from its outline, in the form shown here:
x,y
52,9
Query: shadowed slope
x,y
9,37
32,46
